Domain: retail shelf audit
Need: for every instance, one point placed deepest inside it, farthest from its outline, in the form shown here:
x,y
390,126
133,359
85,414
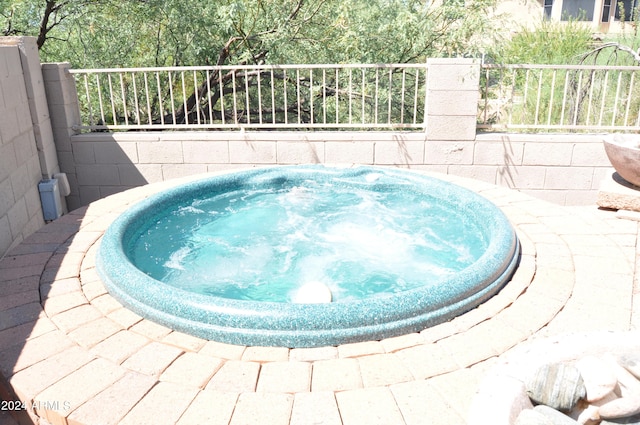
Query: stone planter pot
x,y
623,151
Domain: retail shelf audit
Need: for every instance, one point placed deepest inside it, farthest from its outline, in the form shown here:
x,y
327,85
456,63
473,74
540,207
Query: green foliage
x,y
549,43
116,33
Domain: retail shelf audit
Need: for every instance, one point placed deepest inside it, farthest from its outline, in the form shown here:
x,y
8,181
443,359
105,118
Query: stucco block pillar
x,y
37,98
63,102
62,99
452,98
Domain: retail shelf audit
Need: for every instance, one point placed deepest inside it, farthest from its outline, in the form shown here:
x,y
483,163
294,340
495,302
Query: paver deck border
x,y
69,349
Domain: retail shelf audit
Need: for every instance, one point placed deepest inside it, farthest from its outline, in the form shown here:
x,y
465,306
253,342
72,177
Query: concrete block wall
x,y
105,163
20,172
564,169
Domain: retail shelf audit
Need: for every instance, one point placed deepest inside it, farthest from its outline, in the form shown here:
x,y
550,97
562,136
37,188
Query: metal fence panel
x,y
380,96
559,97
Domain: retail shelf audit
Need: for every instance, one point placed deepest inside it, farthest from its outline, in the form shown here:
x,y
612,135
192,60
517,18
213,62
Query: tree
x,y
139,33
29,18
103,33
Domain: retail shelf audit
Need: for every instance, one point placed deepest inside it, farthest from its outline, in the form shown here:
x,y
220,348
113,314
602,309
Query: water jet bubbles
x,y
190,209
176,259
372,177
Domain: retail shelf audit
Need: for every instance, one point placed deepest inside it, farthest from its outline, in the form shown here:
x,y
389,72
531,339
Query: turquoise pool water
x,y
263,243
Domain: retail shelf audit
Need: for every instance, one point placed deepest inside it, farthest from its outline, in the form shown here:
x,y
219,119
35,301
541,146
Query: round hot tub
x,y
307,256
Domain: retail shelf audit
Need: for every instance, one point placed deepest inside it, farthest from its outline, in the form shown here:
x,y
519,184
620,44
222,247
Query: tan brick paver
x,y
54,305
576,273
419,400
382,370
184,341
18,299
75,317
284,377
25,260
31,381
93,289
17,335
268,408
106,304
222,350
427,360
311,354
112,404
12,286
60,287
211,408
150,329
459,388
265,354
16,357
192,369
19,315
403,341
167,401
336,375
360,349
152,359
120,346
124,317
235,376
94,332
77,388
371,406
318,407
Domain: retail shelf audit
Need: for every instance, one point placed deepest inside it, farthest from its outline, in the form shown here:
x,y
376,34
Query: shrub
x,y
548,43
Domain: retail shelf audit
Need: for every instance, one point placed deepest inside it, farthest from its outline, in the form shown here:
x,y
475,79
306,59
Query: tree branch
x,y
616,47
49,9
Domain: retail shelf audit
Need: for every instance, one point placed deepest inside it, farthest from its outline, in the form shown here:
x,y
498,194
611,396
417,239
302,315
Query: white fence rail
x,y
560,97
387,96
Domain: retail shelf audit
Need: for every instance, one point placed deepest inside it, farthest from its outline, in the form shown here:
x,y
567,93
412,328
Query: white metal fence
x,y
356,97
560,97
387,96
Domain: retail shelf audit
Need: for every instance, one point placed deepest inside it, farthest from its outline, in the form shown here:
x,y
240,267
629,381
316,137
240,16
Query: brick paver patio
x,y
74,355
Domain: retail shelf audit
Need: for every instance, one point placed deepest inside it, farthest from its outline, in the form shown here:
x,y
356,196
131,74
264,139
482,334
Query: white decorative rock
x,y
556,417
621,407
313,292
558,385
598,378
629,402
631,362
633,420
531,417
499,402
590,415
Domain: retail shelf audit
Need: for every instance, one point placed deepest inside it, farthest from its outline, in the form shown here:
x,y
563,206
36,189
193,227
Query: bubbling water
x,y
265,243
